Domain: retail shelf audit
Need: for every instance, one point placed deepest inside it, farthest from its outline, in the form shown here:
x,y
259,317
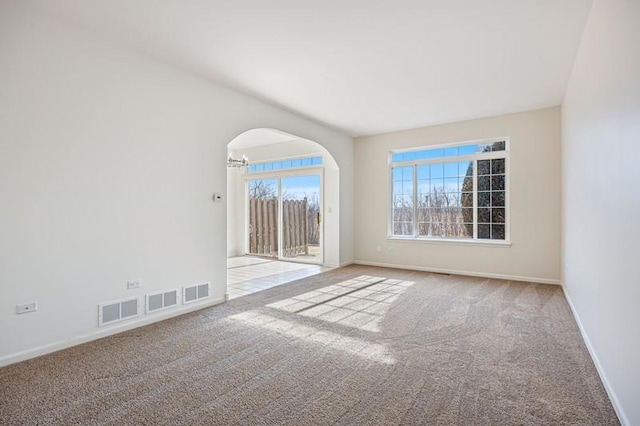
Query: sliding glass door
x,y
263,217
284,217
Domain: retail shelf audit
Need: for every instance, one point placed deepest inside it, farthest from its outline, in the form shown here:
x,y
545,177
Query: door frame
x,y
278,175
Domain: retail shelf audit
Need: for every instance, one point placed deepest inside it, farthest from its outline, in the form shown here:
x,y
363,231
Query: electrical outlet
x,y
27,307
134,284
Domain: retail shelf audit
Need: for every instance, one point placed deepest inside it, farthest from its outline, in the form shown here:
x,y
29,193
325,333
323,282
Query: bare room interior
x,y
319,213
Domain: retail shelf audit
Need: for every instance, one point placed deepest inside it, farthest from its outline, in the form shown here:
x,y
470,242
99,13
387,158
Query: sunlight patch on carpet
x,y
352,346
360,302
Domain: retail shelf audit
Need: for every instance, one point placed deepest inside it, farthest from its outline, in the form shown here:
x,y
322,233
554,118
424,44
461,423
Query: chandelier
x,y
232,162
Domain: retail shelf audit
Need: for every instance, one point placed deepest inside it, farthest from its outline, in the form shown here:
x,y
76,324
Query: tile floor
x,y
247,274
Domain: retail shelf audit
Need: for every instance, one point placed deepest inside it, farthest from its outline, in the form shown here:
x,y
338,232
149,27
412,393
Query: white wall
x,y
331,202
601,198
108,161
534,200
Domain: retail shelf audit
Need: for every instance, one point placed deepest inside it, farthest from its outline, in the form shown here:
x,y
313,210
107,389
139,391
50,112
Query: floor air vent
x,y
193,293
159,301
120,310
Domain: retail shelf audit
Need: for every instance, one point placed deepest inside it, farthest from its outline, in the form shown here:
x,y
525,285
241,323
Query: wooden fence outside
x,y
263,227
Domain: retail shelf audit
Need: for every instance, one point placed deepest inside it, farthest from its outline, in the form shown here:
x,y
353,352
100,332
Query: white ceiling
x,y
362,66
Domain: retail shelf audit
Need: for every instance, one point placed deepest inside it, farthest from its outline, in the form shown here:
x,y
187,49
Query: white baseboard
x,y
104,332
456,272
624,420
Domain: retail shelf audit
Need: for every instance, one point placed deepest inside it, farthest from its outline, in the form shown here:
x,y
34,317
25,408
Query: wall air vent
x,y
119,310
196,292
163,300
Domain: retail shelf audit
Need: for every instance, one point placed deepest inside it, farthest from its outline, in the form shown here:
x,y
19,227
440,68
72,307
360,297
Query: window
x,y
285,164
454,192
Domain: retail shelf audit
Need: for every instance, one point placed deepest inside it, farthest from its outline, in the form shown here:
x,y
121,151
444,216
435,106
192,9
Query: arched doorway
x,y
291,188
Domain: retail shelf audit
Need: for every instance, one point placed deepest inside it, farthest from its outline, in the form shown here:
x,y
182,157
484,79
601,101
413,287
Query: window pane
x,y
451,152
423,228
423,172
497,232
484,215
421,155
435,153
439,211
402,214
484,167
465,168
484,199
497,166
277,165
437,185
497,215
403,188
466,199
451,170
497,199
451,185
468,149
497,183
498,146
437,171
486,147
407,174
484,232
484,183
467,184
467,215
263,188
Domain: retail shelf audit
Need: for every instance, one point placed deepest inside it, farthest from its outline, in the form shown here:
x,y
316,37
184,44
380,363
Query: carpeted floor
x,y
356,345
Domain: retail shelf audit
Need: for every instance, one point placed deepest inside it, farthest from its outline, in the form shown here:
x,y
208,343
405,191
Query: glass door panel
x,y
301,237
263,217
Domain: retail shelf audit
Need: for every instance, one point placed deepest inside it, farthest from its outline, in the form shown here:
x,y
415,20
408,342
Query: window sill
x,y
489,243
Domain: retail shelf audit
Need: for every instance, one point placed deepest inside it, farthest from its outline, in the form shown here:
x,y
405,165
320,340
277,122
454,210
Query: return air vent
x,y
163,300
196,292
119,310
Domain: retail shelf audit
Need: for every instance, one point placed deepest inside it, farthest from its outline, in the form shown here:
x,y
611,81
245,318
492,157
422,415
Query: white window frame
x,y
470,157
278,175
286,169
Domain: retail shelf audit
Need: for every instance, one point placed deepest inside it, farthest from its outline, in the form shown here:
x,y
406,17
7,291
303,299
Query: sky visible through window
x,y
270,166
296,187
293,187
455,151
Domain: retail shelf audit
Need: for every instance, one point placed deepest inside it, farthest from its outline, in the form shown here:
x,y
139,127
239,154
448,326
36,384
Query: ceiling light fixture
x,y
232,162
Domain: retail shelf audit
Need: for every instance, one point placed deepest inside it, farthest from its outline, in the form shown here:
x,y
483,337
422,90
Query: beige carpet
x,y
352,346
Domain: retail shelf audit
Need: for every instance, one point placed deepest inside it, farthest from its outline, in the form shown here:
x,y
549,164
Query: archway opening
x,y
285,205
